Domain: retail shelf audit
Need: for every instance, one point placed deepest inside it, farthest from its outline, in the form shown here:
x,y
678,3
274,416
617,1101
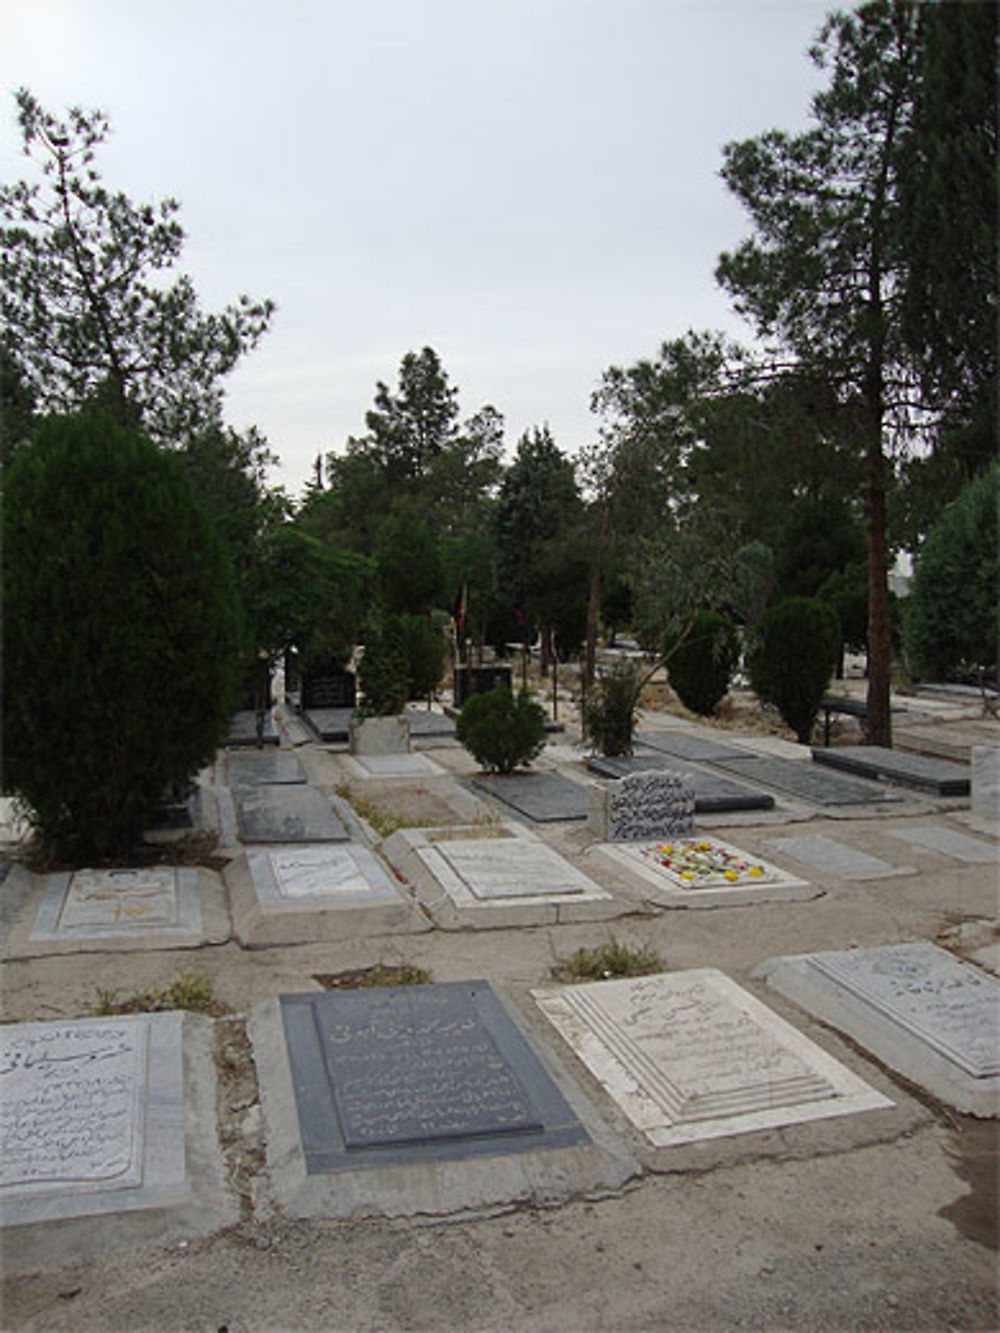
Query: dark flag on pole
x,y
460,613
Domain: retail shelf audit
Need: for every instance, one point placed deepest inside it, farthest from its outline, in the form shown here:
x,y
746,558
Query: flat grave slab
x,y
243,730
391,766
689,1056
544,798
688,745
267,768
831,857
329,724
415,1099
286,814
303,893
937,838
804,781
103,1119
156,907
429,725
479,876
712,794
920,1010
880,764
700,872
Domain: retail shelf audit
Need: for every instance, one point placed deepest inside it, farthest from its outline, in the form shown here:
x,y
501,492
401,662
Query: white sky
x,y
529,186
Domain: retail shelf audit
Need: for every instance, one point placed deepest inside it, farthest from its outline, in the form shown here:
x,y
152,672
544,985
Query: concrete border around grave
x,y
794,977
262,920
624,860
184,1191
451,905
440,1188
204,920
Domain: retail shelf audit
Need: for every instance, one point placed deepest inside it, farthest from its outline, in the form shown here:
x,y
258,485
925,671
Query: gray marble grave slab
x,y
836,858
544,798
688,745
401,1074
691,1056
269,768
158,902
329,724
426,724
712,794
937,838
286,814
938,776
493,868
932,1018
99,1119
804,781
243,730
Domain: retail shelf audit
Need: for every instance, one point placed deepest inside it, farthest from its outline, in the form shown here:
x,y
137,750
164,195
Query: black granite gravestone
x,y
919,771
804,781
690,746
329,689
412,1073
545,798
479,680
712,795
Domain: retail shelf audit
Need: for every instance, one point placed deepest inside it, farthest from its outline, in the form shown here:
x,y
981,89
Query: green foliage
x,y
190,990
409,571
950,617
88,314
702,661
792,652
383,672
121,631
608,710
424,646
820,537
501,732
847,592
606,961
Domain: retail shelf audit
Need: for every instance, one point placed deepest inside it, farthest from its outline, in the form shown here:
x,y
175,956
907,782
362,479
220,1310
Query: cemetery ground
x,y
885,1218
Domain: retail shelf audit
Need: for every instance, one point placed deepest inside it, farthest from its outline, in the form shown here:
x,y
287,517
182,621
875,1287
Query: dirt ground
x,y
828,1228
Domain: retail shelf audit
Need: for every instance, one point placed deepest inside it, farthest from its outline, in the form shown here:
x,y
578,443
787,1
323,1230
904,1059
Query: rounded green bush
x,y
501,732
793,650
121,636
702,662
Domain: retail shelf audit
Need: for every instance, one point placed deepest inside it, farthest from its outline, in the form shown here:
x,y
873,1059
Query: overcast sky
x,y
529,186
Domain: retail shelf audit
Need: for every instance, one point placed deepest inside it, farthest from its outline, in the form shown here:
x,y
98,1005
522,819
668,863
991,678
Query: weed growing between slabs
x,y
607,961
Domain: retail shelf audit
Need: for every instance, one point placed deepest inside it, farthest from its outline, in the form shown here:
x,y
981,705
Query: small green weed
x,y
191,990
382,974
608,960
384,823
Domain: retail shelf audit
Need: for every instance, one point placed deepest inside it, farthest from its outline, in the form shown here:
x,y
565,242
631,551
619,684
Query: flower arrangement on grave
x,y
698,862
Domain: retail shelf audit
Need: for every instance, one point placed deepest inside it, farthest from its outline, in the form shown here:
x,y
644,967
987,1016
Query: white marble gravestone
x,y
309,892
691,1056
921,1010
147,908
749,879
101,1117
494,876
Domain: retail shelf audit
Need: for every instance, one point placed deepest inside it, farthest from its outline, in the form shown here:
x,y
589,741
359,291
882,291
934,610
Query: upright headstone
x,y
986,781
650,804
479,680
329,689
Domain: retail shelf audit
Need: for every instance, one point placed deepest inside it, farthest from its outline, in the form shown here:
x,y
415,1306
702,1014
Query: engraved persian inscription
x,y
317,872
514,868
118,898
70,1103
950,1005
650,804
417,1065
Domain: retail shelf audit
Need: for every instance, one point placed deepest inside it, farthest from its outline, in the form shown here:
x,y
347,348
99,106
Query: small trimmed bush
x,y
384,669
501,732
608,711
701,663
793,650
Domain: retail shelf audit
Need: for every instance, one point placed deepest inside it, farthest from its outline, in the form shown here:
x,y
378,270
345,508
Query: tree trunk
x,y
878,727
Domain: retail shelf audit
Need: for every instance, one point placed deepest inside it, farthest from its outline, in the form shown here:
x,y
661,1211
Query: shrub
x,y
793,650
950,617
383,672
425,651
701,662
501,732
121,633
608,711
